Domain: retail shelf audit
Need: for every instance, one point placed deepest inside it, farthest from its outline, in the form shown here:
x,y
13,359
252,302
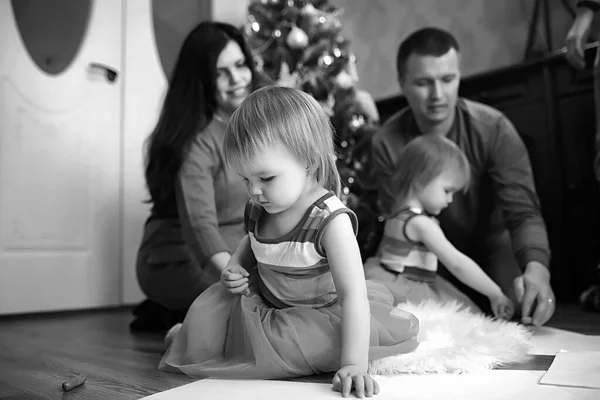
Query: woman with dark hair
x,y
197,212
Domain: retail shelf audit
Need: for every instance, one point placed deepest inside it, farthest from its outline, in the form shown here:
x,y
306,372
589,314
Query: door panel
x,y
60,163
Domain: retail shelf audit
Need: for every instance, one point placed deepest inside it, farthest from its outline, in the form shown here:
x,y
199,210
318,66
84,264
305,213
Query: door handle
x,y
110,73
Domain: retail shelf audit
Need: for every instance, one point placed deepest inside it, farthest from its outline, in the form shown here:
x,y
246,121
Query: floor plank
x,y
38,353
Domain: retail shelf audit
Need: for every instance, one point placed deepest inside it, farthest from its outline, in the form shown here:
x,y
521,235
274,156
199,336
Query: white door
x,y
60,168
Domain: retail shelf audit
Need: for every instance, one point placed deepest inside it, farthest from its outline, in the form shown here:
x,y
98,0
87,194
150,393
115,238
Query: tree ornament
x,y
343,80
297,38
309,9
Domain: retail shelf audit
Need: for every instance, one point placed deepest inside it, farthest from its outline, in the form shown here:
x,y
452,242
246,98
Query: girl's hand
x,y
502,307
235,279
352,377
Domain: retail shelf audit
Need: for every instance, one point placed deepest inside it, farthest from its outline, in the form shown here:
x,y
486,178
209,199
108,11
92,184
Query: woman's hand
x,y
235,279
352,377
502,307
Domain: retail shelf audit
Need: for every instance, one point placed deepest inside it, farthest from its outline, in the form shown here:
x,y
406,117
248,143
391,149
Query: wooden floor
x,y
38,353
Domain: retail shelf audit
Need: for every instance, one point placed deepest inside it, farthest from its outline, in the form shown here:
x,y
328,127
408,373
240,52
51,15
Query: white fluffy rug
x,y
454,340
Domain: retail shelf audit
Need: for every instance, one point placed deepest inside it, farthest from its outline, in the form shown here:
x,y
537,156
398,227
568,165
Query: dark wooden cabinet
x,y
552,107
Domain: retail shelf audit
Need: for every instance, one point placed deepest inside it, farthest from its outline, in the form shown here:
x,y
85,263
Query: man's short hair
x,y
428,41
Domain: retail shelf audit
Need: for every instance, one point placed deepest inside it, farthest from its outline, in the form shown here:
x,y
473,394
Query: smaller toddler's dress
x,y
408,269
290,324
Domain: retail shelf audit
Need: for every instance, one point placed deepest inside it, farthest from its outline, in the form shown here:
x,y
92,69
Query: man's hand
x,y
235,279
534,287
577,37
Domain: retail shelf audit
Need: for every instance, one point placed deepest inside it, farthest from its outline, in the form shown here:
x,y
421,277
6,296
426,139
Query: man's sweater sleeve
x,y
196,202
512,177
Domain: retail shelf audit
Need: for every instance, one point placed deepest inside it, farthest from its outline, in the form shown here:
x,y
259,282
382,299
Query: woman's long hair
x,y
188,107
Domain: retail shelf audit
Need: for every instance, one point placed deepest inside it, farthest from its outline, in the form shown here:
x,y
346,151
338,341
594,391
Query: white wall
x,y
492,34
231,11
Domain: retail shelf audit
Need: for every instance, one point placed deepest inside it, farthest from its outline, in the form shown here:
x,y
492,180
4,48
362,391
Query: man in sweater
x,y
498,221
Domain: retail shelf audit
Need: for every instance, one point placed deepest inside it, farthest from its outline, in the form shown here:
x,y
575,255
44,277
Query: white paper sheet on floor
x,y
492,385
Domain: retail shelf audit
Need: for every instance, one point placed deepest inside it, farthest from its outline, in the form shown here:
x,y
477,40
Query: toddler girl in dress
x,y
293,300
430,169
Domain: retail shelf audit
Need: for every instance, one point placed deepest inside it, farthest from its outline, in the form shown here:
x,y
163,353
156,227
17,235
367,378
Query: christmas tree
x,y
299,43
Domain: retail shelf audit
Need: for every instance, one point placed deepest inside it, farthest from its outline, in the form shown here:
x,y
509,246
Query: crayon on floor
x,y
74,382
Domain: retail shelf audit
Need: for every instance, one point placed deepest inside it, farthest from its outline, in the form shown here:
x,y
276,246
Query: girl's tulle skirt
x,y
406,290
233,336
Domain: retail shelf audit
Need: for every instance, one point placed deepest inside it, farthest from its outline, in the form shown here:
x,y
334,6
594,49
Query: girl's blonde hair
x,y
422,160
291,117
